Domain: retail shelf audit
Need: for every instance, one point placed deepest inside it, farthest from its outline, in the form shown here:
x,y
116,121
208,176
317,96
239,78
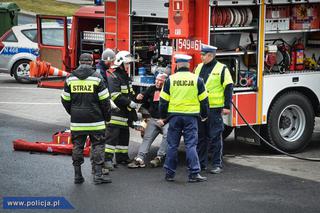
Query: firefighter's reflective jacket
x,y
87,99
122,94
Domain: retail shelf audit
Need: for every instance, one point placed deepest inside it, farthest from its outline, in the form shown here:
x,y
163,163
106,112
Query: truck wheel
x,y
227,131
20,71
291,122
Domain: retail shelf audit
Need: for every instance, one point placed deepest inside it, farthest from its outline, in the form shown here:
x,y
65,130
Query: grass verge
x,y
46,7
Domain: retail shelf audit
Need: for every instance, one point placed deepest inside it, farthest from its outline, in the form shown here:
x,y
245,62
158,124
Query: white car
x,y
19,46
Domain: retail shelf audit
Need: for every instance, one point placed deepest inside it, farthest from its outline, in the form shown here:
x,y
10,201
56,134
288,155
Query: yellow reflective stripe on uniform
x,y
103,94
71,79
131,89
87,128
121,149
109,148
92,78
114,95
65,96
124,89
121,123
165,95
88,124
203,95
118,118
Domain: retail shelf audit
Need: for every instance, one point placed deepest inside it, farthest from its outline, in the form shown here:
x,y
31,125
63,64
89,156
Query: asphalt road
x,y
253,180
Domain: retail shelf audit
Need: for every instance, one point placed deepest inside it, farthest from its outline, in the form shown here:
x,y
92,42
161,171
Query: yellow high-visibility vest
x,y
213,85
183,97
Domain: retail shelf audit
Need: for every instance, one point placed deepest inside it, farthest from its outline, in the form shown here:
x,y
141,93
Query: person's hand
x,y
140,97
133,105
160,122
226,111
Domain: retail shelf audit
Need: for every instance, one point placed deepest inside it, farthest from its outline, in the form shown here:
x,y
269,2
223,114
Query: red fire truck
x,y
268,46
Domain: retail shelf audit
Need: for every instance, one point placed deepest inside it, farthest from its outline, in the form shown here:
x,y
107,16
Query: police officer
x,y
107,58
183,98
86,99
122,95
219,85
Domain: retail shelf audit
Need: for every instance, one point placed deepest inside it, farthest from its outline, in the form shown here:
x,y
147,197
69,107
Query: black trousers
x,y
203,142
117,143
97,146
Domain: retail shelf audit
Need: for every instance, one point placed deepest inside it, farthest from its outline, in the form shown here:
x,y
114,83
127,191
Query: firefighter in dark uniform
x,y
86,99
122,95
219,86
107,58
183,98
104,68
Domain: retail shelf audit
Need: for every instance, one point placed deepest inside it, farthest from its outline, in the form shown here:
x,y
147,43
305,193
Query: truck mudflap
x,y
244,134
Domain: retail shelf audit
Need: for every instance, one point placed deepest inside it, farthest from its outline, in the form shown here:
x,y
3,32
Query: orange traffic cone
x,y
43,69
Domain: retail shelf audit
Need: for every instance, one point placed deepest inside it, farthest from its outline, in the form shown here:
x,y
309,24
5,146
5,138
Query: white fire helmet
x,y
123,57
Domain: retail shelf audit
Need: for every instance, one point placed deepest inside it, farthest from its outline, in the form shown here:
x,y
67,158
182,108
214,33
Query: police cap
x,y
208,48
182,58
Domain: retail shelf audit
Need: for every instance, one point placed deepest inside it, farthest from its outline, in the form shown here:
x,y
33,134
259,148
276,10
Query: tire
x,y
291,122
20,71
227,131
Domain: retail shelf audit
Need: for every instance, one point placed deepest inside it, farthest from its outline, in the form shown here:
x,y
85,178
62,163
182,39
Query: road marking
x,y
29,103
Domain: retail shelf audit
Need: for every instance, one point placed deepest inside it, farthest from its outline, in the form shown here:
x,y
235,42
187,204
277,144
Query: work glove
x,y
113,105
133,105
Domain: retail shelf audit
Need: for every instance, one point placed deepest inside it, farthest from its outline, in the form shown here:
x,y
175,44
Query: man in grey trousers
x,y
150,99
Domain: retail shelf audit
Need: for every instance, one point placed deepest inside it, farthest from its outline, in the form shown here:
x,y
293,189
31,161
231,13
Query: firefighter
x,y
122,95
104,67
150,99
86,99
107,58
183,98
219,85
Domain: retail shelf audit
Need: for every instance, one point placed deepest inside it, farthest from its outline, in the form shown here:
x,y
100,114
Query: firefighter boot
x,y
78,178
108,165
99,178
105,171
